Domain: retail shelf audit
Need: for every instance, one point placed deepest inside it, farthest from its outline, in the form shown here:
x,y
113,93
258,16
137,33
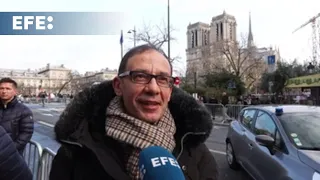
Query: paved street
x,y
46,117
216,144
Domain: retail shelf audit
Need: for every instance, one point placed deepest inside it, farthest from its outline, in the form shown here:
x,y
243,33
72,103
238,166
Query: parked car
x,y
276,142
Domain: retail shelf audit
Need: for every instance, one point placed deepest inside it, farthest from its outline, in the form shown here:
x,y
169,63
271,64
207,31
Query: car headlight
x,y
316,176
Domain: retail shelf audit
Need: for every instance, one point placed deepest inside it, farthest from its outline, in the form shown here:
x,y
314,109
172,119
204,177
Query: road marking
x,y
44,109
55,110
217,152
46,114
219,127
45,123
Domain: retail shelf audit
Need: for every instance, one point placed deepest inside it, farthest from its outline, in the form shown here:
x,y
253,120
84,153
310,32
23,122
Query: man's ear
x,y
116,83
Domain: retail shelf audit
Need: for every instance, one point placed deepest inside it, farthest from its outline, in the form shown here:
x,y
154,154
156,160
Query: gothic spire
x,y
250,36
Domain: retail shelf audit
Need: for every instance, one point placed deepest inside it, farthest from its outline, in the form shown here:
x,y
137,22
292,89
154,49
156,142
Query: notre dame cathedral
x,y
208,44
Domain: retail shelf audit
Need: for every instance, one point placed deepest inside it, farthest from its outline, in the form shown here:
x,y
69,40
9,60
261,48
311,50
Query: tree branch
x,y
71,77
156,35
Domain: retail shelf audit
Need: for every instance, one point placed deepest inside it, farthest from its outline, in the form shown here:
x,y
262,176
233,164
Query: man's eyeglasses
x,y
139,77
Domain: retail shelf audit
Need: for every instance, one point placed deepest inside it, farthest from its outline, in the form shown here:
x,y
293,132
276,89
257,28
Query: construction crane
x,y
315,35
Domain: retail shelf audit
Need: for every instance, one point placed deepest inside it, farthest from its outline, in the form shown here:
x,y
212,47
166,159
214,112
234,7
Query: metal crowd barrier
x,y
233,110
216,111
39,160
221,113
32,156
46,161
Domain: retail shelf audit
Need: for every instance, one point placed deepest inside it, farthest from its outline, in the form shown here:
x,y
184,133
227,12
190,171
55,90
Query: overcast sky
x,y
272,24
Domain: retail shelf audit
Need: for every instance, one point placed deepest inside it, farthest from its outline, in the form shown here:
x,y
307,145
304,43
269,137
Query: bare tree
x,y
71,76
156,35
179,71
245,62
22,88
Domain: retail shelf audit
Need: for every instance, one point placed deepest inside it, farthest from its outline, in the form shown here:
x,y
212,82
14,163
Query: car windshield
x,y
303,129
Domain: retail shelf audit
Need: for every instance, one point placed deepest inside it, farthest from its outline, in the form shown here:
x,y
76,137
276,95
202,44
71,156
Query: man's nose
x,y
153,86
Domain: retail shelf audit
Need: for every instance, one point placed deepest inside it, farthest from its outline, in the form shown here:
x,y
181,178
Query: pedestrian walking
x,y
42,96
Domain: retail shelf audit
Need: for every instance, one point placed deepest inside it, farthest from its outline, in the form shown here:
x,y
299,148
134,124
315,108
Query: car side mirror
x,y
267,141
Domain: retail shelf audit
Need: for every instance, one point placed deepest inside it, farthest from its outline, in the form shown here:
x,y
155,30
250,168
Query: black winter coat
x,y
17,120
86,153
12,165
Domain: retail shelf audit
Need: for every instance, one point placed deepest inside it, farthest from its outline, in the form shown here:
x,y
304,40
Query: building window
x,y
192,39
221,30
206,38
196,38
217,32
230,31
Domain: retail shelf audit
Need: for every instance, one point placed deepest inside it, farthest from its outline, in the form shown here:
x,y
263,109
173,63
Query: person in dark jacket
x,y
142,104
12,165
15,117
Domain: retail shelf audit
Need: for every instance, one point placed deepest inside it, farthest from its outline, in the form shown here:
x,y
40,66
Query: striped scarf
x,y
137,133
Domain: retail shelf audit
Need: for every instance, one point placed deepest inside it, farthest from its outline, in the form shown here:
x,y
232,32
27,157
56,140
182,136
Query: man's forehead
x,y
149,60
6,84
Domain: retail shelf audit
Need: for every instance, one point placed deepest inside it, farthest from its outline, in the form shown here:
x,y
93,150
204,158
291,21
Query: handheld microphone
x,y
157,163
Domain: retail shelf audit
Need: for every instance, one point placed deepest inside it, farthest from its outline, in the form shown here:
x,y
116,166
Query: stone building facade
x,y
202,38
90,78
49,78
52,79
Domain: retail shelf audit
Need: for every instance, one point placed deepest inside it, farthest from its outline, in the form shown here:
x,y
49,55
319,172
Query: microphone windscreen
x,y
157,163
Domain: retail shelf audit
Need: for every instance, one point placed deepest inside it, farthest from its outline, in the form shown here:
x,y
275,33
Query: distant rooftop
x,y
18,70
223,15
19,73
198,24
51,67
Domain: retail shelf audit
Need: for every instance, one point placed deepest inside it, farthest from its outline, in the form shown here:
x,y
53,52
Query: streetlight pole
x,y
134,35
195,79
169,30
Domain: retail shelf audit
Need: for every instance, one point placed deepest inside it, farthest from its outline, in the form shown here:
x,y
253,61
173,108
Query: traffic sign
x,y
271,59
231,85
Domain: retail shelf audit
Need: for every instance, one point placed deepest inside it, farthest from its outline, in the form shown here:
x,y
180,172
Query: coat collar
x,y
12,103
89,107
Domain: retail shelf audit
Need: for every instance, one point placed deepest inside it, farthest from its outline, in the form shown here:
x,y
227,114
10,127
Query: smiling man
x,y
104,128
145,85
